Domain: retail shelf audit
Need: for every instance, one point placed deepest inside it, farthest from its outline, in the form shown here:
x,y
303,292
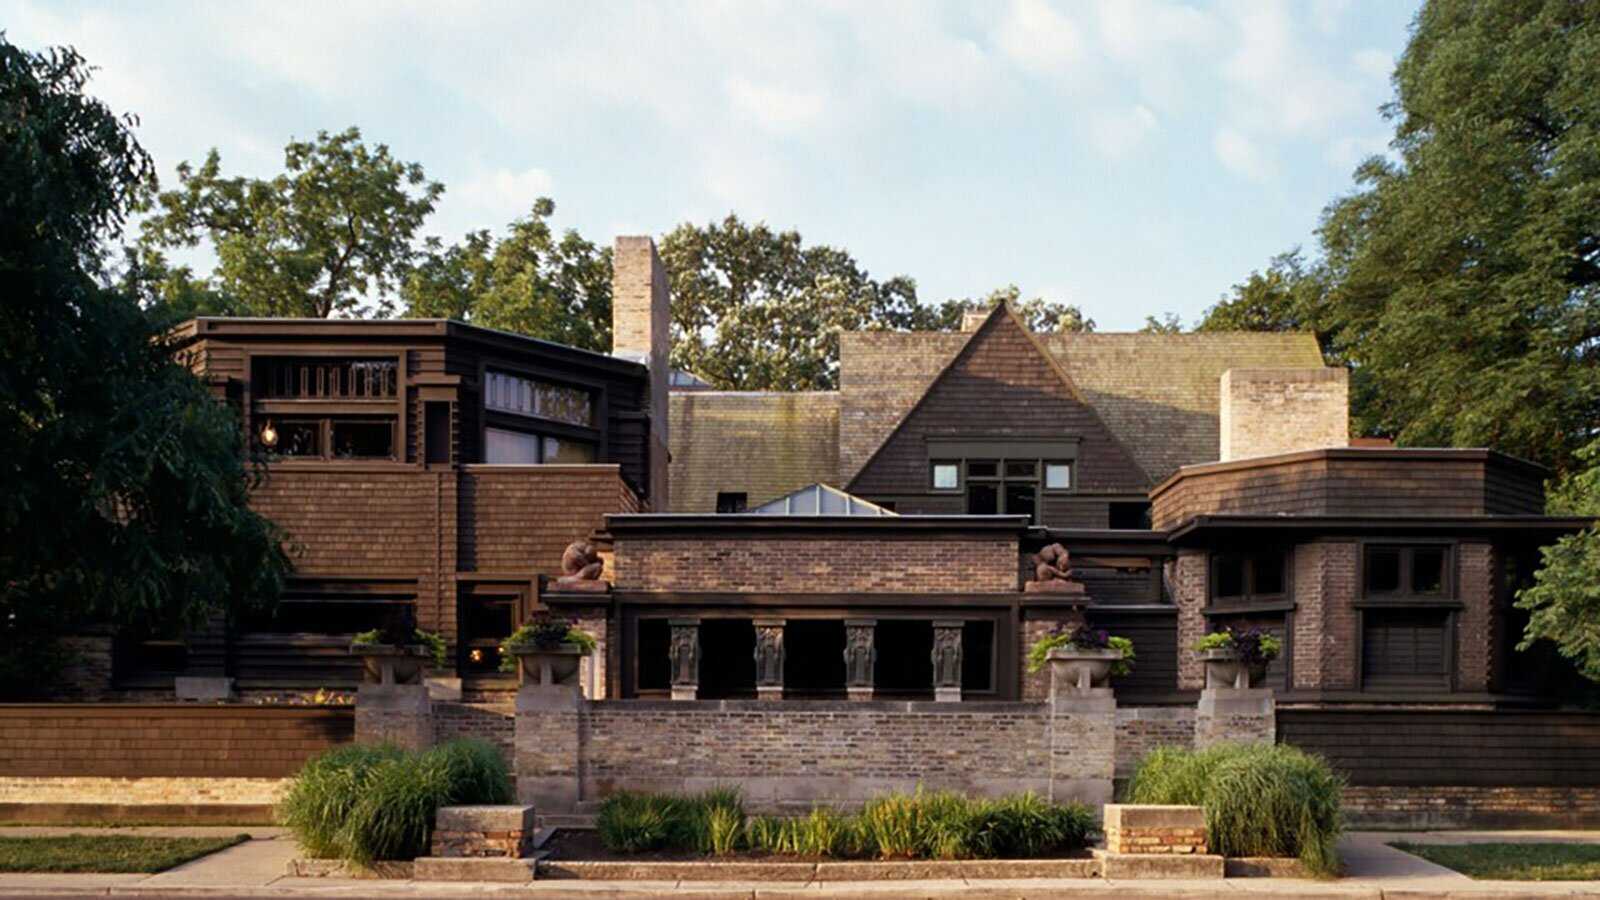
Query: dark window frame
x,y
489,417
933,482
260,406
1448,588
738,501
1251,597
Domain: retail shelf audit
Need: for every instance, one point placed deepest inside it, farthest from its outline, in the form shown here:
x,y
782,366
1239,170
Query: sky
x,y
1133,157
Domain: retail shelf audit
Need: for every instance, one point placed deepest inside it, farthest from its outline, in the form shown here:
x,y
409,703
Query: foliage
x,y
1169,323
1037,313
545,632
1260,799
363,803
1286,296
335,228
417,638
106,852
531,282
1461,278
126,484
1563,603
1254,646
1082,638
1513,861
923,825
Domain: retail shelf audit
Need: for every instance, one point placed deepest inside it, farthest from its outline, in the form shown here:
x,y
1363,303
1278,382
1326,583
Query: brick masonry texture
x,y
833,565
494,722
1141,729
1476,650
1188,576
1160,839
1456,806
126,740
1267,411
1325,638
163,791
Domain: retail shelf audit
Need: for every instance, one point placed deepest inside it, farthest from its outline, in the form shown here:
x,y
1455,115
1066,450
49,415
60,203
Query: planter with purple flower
x,y
546,651
1237,658
1081,658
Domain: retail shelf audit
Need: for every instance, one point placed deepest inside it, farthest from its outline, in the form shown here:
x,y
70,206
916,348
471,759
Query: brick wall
x,y
1141,729
834,565
1266,411
1189,591
492,721
126,740
1325,637
1478,645
1458,806
31,791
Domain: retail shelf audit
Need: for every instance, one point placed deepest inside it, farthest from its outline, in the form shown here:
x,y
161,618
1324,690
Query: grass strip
x,y
115,853
1513,862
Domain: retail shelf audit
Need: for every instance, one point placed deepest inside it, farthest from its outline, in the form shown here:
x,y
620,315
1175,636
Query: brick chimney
x,y
972,318
641,328
1268,411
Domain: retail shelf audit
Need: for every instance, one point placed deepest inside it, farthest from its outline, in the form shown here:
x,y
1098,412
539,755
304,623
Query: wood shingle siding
x,y
761,444
1427,747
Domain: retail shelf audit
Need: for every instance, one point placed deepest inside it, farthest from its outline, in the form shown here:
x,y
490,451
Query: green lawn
x,y
1514,862
104,853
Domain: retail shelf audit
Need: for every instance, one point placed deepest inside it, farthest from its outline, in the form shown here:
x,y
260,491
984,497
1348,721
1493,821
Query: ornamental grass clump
x,y
367,803
1260,799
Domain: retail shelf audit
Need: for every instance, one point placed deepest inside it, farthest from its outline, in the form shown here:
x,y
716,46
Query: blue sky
x,y
1130,156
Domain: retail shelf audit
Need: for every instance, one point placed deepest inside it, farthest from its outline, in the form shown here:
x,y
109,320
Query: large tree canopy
x,y
1564,601
333,231
126,484
530,281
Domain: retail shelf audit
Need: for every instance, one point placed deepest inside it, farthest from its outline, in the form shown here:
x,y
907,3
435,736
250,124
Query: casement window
x,y
1240,578
1400,571
732,501
534,421
1001,486
326,408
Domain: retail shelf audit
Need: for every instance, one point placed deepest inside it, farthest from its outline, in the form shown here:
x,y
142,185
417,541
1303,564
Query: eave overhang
x,y
1202,529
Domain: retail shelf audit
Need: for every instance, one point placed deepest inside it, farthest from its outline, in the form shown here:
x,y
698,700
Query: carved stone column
x,y
860,657
769,659
684,652
947,660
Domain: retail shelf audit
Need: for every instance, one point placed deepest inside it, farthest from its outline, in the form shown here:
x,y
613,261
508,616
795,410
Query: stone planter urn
x,y
1224,669
547,665
392,663
1072,668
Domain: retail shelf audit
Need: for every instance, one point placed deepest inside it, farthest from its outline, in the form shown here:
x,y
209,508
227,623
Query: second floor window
x,y
1255,577
538,399
1420,571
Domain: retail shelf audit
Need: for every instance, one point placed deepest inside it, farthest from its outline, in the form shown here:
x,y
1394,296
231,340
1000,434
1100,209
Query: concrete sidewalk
x,y
1374,870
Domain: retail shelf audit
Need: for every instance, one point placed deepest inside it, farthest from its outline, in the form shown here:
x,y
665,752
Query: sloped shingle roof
x,y
1158,393
760,443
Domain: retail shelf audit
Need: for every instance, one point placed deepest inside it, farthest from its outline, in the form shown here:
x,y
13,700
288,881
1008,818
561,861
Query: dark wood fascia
x,y
1198,530
1102,541
626,525
1363,454
844,600
1356,703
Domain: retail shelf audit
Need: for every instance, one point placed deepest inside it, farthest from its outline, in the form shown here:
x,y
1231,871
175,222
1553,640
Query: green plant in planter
x,y
1254,646
417,636
1083,638
545,633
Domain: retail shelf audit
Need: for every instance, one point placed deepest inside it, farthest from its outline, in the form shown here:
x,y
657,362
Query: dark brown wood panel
x,y
1420,747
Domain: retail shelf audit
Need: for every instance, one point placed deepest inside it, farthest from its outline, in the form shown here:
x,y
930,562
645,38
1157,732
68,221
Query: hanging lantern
x,y
269,435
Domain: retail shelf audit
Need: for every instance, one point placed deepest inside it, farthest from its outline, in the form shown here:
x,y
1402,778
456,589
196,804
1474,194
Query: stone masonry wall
x,y
806,565
1267,411
184,791
1458,806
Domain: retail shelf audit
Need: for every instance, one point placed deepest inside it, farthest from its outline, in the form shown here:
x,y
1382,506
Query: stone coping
x,y
806,872
1038,707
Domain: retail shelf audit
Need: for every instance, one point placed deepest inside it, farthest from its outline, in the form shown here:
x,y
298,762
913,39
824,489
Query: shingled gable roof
x,y
764,444
1002,381
1158,393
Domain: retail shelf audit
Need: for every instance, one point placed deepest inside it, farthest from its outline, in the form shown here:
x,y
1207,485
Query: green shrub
x,y
1260,799
770,834
711,822
1028,826
824,832
892,826
365,803
634,823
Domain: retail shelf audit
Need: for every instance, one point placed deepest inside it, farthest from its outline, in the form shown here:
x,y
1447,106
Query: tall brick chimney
x,y
1268,411
641,330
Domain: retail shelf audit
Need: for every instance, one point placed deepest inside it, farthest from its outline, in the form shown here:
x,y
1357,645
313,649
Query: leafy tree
x,y
1463,278
126,484
530,281
1286,296
1563,603
334,230
1037,313
1169,323
756,309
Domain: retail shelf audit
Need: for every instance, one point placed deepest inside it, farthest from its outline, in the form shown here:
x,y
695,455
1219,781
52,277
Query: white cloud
x,y
1116,133
1346,153
490,199
1374,63
1280,85
1038,38
1241,156
777,109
